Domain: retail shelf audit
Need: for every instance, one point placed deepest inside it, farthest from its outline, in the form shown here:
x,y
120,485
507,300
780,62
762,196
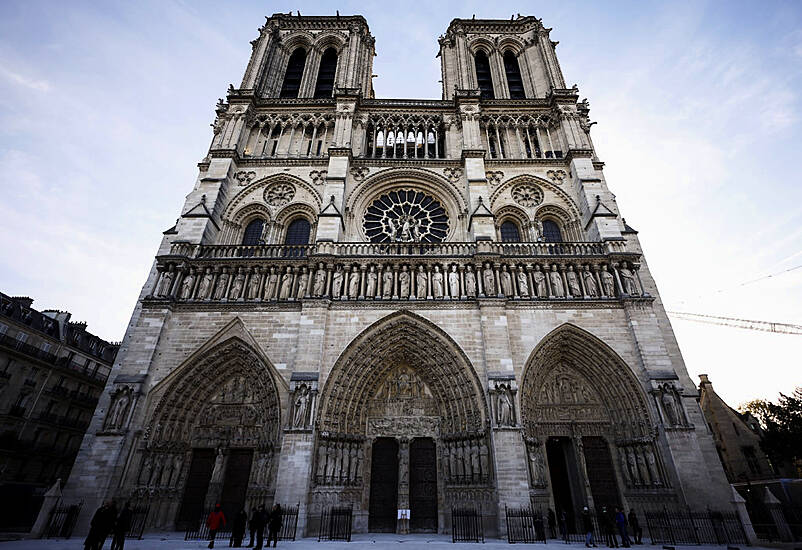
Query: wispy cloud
x,y
40,85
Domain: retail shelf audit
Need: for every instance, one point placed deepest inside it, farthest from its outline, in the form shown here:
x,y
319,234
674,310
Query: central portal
x,y
383,486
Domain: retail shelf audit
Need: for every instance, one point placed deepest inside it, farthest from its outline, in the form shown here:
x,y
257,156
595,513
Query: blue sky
x,y
105,111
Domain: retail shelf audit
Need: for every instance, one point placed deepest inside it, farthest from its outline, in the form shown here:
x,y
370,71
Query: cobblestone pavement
x,y
359,542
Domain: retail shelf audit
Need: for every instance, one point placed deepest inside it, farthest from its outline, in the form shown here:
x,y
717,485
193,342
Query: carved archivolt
x,y
256,190
563,197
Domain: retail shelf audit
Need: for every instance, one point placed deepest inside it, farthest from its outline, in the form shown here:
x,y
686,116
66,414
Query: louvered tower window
x,y
483,77
295,70
325,76
514,80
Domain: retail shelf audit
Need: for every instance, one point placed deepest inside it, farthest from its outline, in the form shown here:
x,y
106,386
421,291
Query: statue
x,y
506,282
353,283
489,280
404,280
116,417
504,407
387,282
539,279
186,285
421,283
205,284
393,231
319,287
590,283
337,283
669,403
539,229
556,282
607,282
253,285
217,471
165,283
286,284
272,283
370,291
303,283
470,282
301,404
537,467
523,283
628,280
573,282
236,286
406,229
453,282
222,284
437,283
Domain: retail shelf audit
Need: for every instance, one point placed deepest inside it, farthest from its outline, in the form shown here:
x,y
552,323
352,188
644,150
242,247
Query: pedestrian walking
x,y
252,526
634,525
260,522
621,523
587,525
238,529
552,522
121,527
563,526
274,524
606,520
101,525
215,521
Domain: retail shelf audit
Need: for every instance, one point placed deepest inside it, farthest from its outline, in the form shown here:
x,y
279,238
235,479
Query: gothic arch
x,y
481,43
327,40
573,378
515,215
541,182
408,339
510,43
297,39
255,190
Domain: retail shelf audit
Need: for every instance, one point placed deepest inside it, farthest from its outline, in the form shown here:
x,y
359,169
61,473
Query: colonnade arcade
x,y
588,430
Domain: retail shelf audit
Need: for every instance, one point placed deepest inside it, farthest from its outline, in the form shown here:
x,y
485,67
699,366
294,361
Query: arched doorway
x,y
212,437
402,403
589,435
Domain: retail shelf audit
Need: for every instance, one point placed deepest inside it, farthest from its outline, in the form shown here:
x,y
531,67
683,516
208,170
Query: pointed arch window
x,y
325,75
297,232
551,232
295,70
514,80
253,232
510,232
483,77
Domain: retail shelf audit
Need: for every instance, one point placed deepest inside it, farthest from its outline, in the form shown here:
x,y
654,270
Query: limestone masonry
x,y
392,304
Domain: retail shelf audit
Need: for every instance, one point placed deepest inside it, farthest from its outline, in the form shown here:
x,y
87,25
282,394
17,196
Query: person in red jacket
x,y
215,521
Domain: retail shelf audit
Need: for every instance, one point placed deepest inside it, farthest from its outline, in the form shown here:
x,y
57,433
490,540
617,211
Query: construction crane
x,y
765,326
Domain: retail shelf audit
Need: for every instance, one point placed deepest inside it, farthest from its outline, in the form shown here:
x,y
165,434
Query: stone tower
x,y
400,305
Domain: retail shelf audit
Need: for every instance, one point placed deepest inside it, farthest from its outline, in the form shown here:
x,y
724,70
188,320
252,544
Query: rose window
x,y
406,215
527,194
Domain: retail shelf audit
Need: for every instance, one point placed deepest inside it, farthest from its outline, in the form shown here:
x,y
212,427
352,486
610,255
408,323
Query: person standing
x,y
274,524
587,525
621,523
563,525
102,523
606,521
634,524
215,521
252,525
260,522
552,521
238,529
121,527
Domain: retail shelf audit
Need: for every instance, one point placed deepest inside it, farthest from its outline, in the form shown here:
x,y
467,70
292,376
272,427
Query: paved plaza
x,y
359,541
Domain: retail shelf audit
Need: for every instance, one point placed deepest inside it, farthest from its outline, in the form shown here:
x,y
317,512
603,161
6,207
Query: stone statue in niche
x,y
186,285
672,405
470,282
628,282
370,290
453,282
205,285
217,471
404,281
337,283
303,282
539,279
607,282
506,282
353,283
272,283
165,283
556,282
537,465
488,280
523,283
301,406
236,286
437,283
421,283
253,286
573,282
387,282
118,410
222,284
286,284
504,406
590,283
319,287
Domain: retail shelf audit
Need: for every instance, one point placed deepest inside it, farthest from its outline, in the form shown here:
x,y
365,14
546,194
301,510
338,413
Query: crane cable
x,y
765,326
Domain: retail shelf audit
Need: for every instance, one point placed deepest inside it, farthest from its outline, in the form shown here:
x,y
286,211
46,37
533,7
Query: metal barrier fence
x,y
139,517
524,525
335,524
688,527
466,525
62,520
289,522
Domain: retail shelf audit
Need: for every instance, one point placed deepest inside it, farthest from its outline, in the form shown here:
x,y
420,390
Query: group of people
x,y
260,519
611,521
107,521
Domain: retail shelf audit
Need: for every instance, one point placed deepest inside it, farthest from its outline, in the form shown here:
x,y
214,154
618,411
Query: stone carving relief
x,y
466,460
244,177
303,395
318,177
494,177
629,284
565,396
669,399
452,174
359,173
502,398
402,393
279,194
527,194
339,460
536,461
640,465
557,176
119,406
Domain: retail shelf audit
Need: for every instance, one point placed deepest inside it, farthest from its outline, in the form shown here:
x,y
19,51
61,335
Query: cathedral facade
x,y
394,304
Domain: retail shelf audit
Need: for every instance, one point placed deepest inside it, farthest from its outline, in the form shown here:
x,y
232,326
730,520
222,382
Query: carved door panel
x,y
235,483
601,473
383,486
200,473
423,485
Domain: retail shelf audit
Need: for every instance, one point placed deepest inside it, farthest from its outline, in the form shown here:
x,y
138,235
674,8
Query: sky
x,y
105,110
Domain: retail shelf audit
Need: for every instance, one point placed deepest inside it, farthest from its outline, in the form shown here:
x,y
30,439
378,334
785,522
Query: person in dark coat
x,y
214,522
587,526
274,525
621,523
606,520
101,525
563,525
552,522
238,529
252,525
121,527
634,525
259,523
